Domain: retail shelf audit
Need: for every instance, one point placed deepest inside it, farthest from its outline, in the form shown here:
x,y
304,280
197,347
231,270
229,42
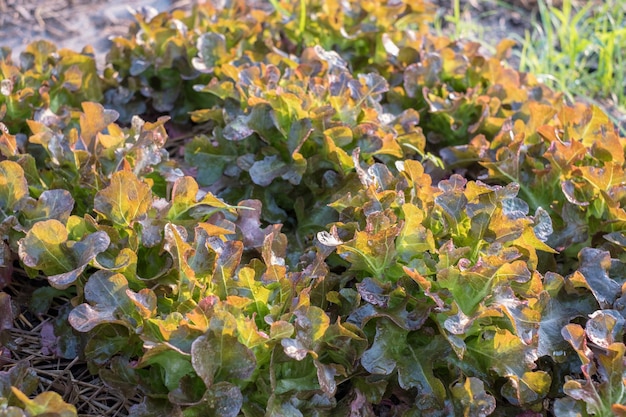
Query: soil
x,y
72,24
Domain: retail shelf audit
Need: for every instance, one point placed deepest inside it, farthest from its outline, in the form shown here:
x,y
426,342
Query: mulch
x,y
30,343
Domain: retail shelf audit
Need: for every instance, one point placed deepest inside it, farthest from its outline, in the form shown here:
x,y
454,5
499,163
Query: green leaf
x,y
603,388
390,302
559,310
469,287
248,286
373,249
227,262
90,89
93,120
605,327
569,407
524,315
13,186
155,407
311,326
174,365
186,203
218,356
311,323
125,200
108,302
52,204
269,168
414,239
210,161
594,266
472,398
530,388
46,403
391,351
43,248
223,399
46,247
11,411
20,376
175,243
211,51
281,330
504,353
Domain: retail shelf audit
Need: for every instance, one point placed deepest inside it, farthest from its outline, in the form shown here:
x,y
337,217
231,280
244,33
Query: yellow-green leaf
x,y
125,199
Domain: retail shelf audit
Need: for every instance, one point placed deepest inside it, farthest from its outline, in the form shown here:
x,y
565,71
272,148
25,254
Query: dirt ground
x,y
71,24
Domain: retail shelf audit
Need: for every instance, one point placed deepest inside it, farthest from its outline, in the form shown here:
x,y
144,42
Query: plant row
x,y
352,216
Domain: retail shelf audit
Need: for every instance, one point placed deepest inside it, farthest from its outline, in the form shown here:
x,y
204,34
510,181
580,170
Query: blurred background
x,y
72,23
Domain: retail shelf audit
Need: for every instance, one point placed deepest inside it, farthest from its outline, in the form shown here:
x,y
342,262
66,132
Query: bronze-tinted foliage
x,y
370,219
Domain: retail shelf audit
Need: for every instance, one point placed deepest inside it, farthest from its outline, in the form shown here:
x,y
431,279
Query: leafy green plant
x,y
368,219
45,83
601,391
449,261
157,66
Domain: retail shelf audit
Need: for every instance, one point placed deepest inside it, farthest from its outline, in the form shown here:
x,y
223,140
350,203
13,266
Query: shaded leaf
x,y
390,350
217,353
473,399
223,400
605,327
594,266
6,312
108,303
265,171
52,204
174,365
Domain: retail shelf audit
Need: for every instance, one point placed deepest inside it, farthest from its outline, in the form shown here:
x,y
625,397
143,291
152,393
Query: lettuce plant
x,y
311,208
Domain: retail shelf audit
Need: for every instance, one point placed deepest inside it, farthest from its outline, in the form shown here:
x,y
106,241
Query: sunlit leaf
x,y
46,403
94,120
473,399
125,199
46,247
13,185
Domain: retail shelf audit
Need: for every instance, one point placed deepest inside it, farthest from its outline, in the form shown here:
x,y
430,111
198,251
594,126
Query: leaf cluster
x,y
368,219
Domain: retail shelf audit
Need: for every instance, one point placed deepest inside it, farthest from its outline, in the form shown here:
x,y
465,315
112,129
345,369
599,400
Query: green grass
x,y
578,48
